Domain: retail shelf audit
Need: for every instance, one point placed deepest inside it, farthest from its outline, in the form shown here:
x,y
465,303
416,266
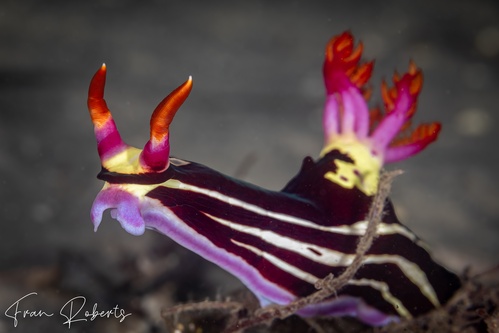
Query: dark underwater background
x,y
254,113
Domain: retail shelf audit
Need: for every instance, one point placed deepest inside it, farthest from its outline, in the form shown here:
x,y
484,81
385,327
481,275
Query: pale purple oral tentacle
x,y
125,208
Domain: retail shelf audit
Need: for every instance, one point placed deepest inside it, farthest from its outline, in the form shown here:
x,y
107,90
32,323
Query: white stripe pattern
x,y
356,229
334,258
382,287
320,254
280,263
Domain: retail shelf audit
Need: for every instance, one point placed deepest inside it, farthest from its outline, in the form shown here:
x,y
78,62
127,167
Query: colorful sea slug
x,y
280,243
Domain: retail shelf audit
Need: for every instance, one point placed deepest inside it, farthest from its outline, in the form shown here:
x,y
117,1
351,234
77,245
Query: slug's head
x,y
129,173
115,155
370,138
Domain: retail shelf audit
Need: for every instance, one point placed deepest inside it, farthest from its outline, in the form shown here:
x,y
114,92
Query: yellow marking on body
x,y
138,190
125,162
141,190
363,173
173,183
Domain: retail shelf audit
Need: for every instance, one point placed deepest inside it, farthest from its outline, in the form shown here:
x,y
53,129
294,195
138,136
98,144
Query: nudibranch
x,y
279,243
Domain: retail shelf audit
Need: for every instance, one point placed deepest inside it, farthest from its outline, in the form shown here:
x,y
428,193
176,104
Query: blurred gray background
x,y
254,112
